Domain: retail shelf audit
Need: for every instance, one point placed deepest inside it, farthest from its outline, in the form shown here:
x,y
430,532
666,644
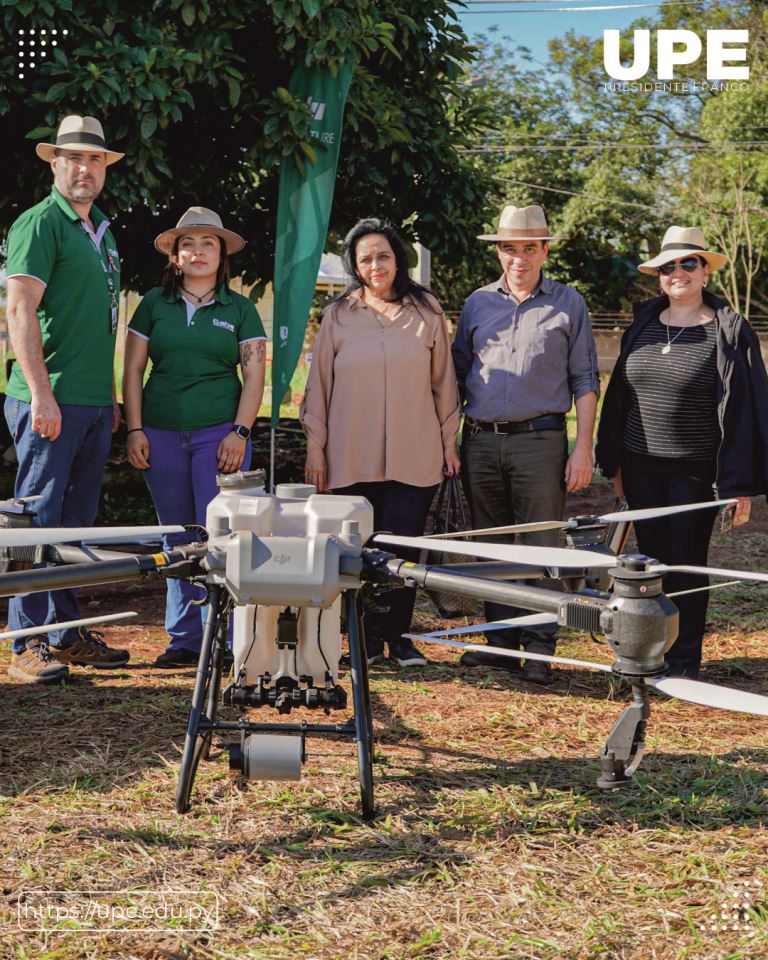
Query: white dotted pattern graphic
x,y
31,48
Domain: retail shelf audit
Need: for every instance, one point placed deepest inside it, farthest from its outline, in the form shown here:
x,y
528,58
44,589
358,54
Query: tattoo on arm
x,y
253,349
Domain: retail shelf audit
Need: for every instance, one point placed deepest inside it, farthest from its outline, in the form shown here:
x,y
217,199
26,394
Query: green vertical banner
x,y
303,211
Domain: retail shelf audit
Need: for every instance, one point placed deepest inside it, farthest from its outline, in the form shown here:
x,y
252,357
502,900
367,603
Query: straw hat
x,y
199,220
79,133
681,242
521,223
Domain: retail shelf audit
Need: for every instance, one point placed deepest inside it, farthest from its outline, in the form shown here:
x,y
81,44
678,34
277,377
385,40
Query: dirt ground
x,y
492,840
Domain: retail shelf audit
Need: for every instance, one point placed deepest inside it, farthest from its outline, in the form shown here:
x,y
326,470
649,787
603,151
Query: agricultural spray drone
x,y
285,572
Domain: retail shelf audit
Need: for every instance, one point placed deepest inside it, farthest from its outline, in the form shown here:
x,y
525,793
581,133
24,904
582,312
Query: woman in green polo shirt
x,y
192,419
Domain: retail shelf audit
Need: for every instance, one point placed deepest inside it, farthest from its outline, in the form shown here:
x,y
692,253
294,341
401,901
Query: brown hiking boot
x,y
89,650
36,664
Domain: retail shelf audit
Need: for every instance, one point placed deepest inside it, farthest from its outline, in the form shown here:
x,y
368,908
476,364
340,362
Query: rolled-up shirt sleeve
x,y
444,386
313,413
583,375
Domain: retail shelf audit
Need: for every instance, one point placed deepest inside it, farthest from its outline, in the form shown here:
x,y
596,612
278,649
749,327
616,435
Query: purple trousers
x,y
182,481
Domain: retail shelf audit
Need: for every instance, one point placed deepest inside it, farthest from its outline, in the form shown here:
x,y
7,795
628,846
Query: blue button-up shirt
x,y
515,361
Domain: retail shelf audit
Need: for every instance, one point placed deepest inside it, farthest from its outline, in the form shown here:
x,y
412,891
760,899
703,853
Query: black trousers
x,y
682,538
402,509
516,478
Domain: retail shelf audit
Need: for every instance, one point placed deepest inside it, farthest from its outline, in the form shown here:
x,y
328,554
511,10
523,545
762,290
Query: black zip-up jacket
x,y
742,401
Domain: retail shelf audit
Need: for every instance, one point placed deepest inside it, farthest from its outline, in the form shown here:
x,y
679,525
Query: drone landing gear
x,y
625,745
210,670
273,750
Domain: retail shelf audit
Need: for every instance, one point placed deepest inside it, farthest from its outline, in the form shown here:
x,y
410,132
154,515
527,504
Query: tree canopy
x,y
614,169
195,93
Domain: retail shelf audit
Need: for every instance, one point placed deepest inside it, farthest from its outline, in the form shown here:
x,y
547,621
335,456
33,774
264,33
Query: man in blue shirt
x,y
524,354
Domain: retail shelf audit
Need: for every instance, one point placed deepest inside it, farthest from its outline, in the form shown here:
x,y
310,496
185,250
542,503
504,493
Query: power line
x,y
550,148
612,6
586,196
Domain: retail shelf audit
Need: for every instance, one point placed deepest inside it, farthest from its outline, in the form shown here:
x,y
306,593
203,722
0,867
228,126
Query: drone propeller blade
x,y
711,695
499,531
508,552
44,536
650,513
517,654
48,627
535,619
713,572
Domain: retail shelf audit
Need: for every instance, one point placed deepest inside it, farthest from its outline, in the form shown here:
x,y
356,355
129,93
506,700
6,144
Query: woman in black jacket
x,y
685,419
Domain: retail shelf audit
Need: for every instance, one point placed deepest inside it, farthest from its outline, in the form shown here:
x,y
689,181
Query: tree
x,y
195,92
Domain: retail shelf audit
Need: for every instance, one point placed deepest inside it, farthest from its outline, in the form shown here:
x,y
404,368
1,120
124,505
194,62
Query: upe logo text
x,y
677,48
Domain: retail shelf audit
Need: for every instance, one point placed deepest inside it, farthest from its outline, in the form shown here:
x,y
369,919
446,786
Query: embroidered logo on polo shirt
x,y
223,323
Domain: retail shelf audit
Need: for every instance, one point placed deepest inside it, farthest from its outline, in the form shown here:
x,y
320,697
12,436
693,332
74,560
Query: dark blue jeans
x,y
402,509
516,478
182,481
67,473
680,539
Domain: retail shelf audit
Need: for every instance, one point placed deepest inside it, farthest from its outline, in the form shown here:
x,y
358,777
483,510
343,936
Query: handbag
x,y
449,515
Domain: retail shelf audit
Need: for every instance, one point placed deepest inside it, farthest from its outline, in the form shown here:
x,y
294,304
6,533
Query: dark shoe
x,y
36,664
476,658
89,650
177,658
404,653
536,671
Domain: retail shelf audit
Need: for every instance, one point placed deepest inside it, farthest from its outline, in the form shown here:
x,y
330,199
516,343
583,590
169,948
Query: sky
x,y
537,25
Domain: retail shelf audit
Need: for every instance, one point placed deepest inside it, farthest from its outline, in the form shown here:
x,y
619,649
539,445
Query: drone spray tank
x,y
284,559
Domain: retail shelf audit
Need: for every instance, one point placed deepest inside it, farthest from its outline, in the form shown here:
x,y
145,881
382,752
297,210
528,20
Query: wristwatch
x,y
243,432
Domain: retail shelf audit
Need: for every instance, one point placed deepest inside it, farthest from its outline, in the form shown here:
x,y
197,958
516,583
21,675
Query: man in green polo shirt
x,y
63,289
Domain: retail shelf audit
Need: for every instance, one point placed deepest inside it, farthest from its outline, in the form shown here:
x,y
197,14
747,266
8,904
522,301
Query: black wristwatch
x,y
243,432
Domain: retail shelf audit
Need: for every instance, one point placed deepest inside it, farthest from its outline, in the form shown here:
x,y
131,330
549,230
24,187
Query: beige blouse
x,y
381,397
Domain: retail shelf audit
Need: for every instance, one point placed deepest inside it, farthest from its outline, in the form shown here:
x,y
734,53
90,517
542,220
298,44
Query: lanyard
x,y
109,275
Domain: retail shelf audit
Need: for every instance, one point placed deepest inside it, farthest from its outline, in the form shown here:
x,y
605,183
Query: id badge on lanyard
x,y
109,272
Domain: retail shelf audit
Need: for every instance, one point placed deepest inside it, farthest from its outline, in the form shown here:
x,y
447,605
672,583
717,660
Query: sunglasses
x,y
689,265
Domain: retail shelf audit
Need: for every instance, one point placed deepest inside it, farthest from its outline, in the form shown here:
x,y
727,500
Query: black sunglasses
x,y
689,265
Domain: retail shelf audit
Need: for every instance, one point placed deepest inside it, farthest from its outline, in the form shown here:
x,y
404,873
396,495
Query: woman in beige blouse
x,y
381,409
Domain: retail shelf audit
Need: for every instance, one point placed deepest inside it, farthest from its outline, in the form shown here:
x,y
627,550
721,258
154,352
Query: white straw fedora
x,y
199,220
521,223
79,133
681,242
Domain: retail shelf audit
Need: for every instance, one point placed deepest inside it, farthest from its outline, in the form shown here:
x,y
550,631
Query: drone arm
x,y
128,567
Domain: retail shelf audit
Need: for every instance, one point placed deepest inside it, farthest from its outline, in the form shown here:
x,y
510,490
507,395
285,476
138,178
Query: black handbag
x,y
449,515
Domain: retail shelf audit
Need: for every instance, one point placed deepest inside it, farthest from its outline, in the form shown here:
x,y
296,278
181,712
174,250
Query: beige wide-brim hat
x,y
199,220
681,242
521,223
79,133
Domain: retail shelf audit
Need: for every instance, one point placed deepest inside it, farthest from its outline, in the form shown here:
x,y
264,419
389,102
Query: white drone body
x,y
291,553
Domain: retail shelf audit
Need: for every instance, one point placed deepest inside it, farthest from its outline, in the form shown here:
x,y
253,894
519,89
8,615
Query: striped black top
x,y
673,392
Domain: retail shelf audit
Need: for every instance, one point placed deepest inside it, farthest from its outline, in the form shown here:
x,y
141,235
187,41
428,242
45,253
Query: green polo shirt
x,y
194,381
48,242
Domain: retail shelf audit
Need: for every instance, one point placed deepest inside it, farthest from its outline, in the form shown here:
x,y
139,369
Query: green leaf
x,y
309,151
39,132
148,125
311,7
55,92
234,91
188,14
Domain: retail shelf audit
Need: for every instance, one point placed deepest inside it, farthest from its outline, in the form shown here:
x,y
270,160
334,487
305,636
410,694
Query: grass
x,y
493,841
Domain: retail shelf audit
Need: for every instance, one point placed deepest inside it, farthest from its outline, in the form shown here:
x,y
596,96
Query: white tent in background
x,y
331,274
